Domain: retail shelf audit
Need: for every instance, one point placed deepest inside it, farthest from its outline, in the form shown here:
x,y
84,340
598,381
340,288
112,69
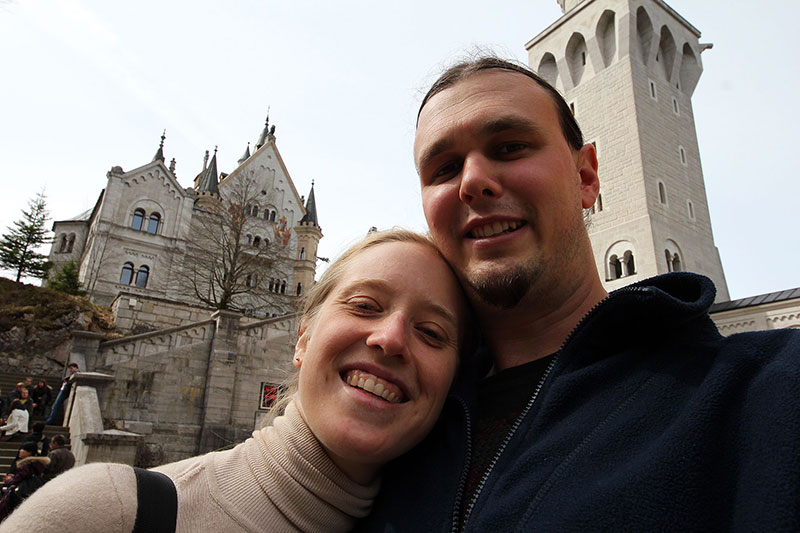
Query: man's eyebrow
x,y
501,124
490,127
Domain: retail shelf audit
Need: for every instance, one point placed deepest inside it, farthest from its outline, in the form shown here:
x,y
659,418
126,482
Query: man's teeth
x,y
373,386
495,228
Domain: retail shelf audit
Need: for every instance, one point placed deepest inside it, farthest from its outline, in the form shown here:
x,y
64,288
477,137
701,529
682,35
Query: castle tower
x,y
627,69
308,235
208,186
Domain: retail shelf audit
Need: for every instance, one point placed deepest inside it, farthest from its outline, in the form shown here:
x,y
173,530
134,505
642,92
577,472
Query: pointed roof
x,y
311,208
209,182
160,152
245,155
262,139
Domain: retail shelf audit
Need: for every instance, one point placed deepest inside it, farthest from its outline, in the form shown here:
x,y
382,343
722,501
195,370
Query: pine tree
x,y
18,245
66,280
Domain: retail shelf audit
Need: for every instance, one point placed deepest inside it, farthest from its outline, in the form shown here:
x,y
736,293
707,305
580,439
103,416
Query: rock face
x,y
35,325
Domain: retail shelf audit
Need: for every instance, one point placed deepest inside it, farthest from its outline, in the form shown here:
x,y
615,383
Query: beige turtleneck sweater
x,y
279,480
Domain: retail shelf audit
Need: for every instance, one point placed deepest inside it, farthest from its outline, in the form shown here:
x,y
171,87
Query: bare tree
x,y
236,256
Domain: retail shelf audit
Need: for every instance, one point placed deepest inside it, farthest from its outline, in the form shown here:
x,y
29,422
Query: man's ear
x,y
300,347
587,172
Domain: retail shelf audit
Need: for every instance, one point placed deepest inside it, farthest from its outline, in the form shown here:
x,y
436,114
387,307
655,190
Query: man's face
x,y
502,190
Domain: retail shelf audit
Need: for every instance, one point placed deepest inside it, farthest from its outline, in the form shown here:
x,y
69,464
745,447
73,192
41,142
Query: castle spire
x,y
209,181
264,137
160,152
245,155
311,208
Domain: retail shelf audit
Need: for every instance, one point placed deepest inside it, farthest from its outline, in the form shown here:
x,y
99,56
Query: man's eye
x,y
510,148
446,170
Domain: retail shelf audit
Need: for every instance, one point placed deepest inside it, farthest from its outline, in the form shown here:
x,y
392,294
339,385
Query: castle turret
x,y
308,235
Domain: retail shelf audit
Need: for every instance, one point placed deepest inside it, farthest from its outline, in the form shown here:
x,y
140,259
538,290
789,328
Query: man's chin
x,y
502,289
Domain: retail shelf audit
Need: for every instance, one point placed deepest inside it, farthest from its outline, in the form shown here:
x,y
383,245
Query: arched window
x,y
142,275
302,253
676,263
299,289
70,242
668,256
272,284
662,193
138,219
255,210
153,224
266,242
272,215
614,267
256,241
628,266
249,239
62,245
283,287
127,274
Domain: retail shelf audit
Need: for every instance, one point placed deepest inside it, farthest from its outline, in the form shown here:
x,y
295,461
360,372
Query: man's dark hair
x,y
465,69
38,427
59,439
73,365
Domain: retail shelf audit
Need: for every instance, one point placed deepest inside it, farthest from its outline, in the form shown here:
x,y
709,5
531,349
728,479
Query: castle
x,y
148,236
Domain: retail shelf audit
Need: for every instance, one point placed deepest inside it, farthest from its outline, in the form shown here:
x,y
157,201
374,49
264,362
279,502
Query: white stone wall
x,y
776,315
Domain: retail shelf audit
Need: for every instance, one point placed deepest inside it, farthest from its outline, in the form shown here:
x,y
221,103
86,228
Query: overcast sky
x,y
87,85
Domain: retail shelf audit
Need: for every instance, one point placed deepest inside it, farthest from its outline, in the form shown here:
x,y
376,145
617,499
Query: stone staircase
x,y
8,449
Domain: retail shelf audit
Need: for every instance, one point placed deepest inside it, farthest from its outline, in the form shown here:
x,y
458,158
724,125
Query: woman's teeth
x,y
373,385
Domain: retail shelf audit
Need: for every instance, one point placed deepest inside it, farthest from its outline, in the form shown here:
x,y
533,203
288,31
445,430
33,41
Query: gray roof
x,y
83,217
752,301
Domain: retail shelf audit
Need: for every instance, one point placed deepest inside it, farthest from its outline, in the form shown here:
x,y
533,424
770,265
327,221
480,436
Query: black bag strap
x,y
157,502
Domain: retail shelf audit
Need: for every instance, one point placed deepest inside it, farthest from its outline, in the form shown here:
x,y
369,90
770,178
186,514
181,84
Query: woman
x,y
17,421
377,352
41,395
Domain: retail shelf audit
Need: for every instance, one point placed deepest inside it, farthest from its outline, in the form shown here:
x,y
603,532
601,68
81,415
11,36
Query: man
x,y
594,411
56,415
61,458
41,440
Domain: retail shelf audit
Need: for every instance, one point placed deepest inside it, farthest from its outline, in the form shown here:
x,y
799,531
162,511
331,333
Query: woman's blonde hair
x,y
331,279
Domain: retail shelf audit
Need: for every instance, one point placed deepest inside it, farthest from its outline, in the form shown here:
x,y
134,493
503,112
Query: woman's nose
x,y
389,334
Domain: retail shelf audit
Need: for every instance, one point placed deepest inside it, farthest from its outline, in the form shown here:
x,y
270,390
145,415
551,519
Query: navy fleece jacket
x,y
648,419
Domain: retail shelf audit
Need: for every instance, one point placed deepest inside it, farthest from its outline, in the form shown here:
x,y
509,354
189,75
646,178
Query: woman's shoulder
x,y
97,497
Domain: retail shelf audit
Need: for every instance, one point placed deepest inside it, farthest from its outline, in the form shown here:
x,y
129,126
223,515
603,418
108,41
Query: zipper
x,y
521,416
468,458
505,442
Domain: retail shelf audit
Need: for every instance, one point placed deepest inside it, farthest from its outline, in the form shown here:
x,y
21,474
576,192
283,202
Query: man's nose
x,y
389,334
478,180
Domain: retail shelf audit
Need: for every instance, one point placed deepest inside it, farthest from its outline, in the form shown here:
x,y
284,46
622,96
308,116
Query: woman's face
x,y
378,358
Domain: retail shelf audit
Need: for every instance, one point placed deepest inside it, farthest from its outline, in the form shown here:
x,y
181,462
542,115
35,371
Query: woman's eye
x,y
433,334
364,305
